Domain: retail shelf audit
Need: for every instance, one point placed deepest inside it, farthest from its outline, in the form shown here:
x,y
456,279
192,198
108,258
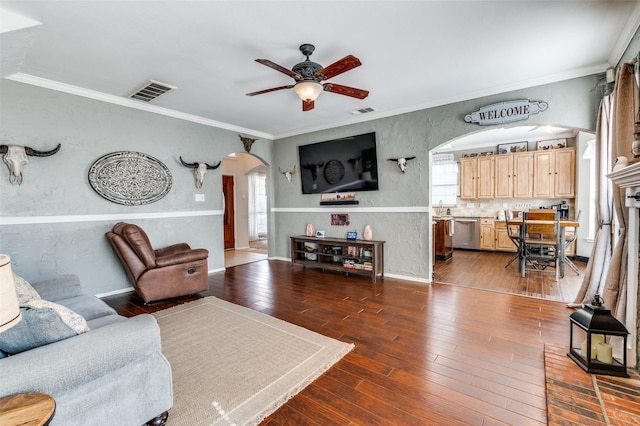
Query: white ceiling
x,y
415,54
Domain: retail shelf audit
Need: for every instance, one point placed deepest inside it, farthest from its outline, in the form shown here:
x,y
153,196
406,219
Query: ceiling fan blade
x,y
345,64
307,105
273,89
279,68
345,90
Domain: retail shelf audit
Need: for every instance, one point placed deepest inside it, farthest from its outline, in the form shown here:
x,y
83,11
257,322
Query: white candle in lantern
x,y
594,349
597,338
605,353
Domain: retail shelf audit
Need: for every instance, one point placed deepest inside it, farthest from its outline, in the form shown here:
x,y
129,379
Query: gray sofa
x,y
113,374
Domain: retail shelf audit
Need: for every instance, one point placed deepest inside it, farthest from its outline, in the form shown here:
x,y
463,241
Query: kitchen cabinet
x,y
543,170
468,171
485,178
443,240
503,242
514,176
537,174
487,234
555,172
523,175
503,166
565,173
476,177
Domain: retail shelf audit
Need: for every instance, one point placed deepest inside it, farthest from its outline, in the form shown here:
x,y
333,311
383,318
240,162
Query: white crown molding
x,y
491,91
33,220
129,103
626,35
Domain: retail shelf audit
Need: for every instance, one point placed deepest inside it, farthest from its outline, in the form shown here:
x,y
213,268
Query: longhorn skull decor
x,y
15,157
402,162
199,170
288,174
314,169
247,142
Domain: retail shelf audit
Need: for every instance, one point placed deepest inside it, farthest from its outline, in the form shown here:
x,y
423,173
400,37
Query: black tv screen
x,y
340,165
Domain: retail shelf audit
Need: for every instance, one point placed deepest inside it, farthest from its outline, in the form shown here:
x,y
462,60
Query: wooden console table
x,y
34,409
339,254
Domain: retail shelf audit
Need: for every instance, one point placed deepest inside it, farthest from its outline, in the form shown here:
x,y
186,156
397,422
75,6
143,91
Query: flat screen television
x,y
340,165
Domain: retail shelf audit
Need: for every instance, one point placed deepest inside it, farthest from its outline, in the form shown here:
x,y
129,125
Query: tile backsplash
x,y
490,208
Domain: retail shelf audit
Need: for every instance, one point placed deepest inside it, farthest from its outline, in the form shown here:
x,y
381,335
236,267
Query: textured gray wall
x,y
71,219
398,211
68,219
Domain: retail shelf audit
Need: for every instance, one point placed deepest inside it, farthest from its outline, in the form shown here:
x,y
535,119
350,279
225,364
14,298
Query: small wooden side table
x,y
27,409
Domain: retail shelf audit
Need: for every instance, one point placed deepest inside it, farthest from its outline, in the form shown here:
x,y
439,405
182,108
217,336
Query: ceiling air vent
x,y
151,90
362,111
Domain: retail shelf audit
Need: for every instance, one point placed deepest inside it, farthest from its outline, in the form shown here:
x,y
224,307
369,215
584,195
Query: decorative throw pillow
x,y
43,322
24,290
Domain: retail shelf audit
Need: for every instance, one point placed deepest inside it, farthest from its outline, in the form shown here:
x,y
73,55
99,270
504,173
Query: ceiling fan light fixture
x,y
308,90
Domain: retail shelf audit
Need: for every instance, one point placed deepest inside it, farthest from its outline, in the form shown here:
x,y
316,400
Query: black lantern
x,y
594,353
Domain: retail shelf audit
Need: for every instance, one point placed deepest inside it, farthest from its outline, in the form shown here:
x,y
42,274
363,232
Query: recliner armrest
x,y
80,359
181,258
172,249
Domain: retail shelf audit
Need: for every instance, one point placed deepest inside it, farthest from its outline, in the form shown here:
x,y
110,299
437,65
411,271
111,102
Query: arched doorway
x,y
244,180
484,212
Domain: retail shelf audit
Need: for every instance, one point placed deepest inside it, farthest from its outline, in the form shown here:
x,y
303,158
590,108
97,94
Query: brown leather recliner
x,y
177,270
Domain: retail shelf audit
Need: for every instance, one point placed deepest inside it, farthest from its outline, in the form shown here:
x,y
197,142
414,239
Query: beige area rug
x,y
232,365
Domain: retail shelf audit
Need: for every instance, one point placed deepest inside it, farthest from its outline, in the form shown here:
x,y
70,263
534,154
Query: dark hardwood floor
x,y
486,270
424,354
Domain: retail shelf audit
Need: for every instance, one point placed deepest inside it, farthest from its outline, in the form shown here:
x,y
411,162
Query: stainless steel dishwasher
x,y
466,233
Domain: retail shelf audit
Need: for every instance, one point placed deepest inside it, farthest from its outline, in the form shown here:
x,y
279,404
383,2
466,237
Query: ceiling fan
x,y
309,77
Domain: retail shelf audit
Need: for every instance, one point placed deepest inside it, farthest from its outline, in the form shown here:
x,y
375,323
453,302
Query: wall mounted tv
x,y
340,165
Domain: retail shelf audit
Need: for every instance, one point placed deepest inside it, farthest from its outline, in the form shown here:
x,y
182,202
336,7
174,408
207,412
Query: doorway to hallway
x,y
245,188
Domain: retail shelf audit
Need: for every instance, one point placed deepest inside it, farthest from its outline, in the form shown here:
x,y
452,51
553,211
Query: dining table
x,y
564,223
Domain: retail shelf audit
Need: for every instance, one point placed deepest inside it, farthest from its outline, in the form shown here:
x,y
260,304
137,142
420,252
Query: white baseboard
x,y
409,278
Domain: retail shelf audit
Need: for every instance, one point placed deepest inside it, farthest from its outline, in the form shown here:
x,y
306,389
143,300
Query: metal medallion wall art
x,y
130,178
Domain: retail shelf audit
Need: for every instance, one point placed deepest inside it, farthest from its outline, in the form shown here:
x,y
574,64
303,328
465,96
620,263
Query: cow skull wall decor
x,y
288,174
199,170
314,169
402,162
15,157
247,142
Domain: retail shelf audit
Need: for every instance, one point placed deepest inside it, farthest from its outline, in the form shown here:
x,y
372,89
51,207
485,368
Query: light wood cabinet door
x,y
503,242
484,179
468,172
523,175
503,171
544,172
487,235
565,173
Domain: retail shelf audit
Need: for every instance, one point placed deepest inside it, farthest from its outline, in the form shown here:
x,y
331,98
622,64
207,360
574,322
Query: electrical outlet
x,y
199,197
471,205
523,205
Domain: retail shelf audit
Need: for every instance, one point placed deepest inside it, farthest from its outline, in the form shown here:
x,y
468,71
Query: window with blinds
x,y
444,180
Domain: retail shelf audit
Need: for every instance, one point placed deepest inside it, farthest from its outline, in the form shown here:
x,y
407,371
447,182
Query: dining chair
x,y
570,234
541,248
513,236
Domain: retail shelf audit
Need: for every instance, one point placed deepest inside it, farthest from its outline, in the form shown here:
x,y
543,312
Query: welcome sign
x,y
505,112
